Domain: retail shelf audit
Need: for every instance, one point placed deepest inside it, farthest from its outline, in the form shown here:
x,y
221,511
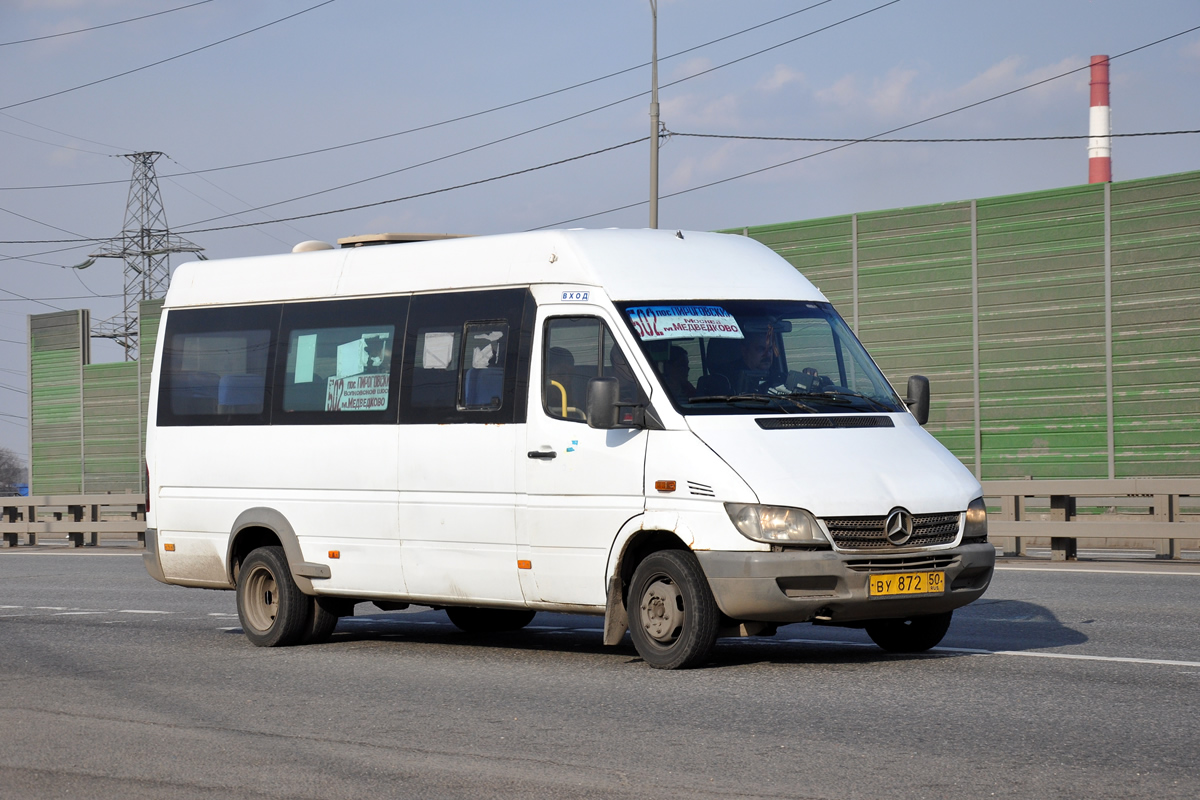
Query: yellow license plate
x,y
907,583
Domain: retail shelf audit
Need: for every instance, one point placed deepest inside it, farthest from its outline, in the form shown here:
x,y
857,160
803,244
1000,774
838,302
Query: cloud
x,y
780,77
62,156
897,96
687,69
885,97
1007,75
695,111
696,169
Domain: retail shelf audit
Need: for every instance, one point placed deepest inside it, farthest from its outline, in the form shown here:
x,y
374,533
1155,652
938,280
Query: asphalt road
x,y
1079,680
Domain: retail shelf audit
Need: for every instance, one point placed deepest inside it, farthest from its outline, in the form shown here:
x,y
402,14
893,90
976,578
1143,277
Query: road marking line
x,y
142,611
1072,657
1101,571
76,613
49,608
979,652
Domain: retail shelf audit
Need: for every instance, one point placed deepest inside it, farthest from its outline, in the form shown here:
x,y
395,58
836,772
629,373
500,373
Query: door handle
x,y
543,454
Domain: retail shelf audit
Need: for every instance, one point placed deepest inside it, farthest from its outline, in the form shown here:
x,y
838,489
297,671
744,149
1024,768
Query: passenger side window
x,y
340,361
216,366
461,361
577,349
483,357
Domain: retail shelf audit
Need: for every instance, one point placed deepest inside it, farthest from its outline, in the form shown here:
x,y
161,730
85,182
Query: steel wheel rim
x,y
262,599
661,610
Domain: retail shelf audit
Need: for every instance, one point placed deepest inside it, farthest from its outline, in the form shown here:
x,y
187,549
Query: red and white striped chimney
x,y
1100,127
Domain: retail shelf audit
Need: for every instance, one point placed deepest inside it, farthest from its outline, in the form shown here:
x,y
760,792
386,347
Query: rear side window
x,y
216,366
339,361
462,357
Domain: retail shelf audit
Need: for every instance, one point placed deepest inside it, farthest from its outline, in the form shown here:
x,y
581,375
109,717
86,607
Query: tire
x,y
272,609
909,634
324,618
673,618
489,620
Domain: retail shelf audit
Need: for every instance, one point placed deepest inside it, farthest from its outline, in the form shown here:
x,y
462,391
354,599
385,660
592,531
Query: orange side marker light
x,y
523,564
170,548
335,553
665,486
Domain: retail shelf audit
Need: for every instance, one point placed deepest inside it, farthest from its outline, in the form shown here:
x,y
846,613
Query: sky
x,y
417,98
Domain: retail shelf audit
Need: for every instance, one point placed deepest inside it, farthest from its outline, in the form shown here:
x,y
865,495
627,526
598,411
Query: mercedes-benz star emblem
x,y
898,527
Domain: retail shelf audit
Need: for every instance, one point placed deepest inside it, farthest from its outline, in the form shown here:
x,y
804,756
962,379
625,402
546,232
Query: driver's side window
x,y
575,350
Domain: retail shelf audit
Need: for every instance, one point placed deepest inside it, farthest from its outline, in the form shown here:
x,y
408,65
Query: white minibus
x,y
674,430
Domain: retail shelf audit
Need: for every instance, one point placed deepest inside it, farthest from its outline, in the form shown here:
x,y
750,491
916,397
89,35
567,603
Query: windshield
x,y
758,356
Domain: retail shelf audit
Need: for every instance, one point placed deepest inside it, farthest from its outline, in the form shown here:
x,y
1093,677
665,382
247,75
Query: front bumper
x,y
802,585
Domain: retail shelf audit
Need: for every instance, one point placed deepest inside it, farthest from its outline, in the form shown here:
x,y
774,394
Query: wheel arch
x,y
640,537
267,527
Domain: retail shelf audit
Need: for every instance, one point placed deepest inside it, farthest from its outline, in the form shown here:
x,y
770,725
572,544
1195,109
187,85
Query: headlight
x,y
775,524
976,527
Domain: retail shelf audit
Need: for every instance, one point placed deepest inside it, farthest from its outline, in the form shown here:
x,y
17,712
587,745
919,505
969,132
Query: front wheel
x,y
909,634
272,609
673,618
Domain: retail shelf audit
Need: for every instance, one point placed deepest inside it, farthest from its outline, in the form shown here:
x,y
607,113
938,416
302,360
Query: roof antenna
x,y
678,234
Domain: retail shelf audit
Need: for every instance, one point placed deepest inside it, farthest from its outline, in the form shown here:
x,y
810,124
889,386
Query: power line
x,y
426,194
853,142
106,25
432,124
556,122
39,222
68,297
924,141
164,60
30,299
27,256
52,144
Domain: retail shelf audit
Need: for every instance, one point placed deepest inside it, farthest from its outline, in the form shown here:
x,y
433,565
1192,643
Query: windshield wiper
x,y
754,398
846,393
731,398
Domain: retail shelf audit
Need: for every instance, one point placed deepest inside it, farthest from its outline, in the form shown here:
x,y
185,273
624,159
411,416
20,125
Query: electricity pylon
x,y
145,245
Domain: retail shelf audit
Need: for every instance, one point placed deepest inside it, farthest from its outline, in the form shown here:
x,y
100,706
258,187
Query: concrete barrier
x,y
113,516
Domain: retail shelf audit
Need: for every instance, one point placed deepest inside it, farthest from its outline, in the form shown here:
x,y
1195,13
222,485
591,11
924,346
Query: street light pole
x,y
654,116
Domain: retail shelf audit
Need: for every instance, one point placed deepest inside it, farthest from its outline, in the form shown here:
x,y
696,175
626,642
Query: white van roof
x,y
626,264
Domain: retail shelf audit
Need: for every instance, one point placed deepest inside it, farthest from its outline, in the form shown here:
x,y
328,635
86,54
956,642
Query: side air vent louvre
x,y
701,489
841,421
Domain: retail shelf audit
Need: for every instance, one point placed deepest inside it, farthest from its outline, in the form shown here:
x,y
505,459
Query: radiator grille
x,y
882,562
867,533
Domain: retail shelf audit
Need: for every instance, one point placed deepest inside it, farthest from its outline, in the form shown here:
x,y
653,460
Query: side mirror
x,y
603,395
918,398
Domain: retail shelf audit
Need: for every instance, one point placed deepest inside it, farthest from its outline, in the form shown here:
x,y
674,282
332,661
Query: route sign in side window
x,y
340,361
216,366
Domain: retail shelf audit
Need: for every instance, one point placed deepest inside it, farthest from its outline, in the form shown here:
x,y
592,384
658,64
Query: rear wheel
x,y
489,620
272,609
325,614
673,618
909,634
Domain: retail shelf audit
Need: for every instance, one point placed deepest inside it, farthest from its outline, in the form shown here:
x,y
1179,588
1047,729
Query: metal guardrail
x,y
76,515
118,515
1162,522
